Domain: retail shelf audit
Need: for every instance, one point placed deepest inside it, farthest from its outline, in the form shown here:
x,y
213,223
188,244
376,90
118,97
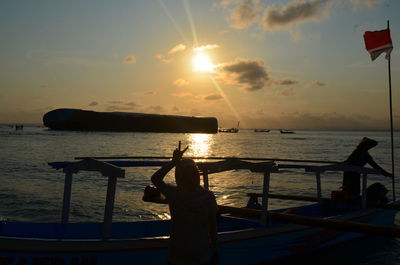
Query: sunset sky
x,y
268,64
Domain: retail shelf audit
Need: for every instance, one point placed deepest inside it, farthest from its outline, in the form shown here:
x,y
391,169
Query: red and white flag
x,y
377,42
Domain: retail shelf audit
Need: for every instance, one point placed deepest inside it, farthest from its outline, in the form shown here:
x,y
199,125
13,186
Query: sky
x,y
296,64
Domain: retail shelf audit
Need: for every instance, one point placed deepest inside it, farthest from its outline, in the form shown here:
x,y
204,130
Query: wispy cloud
x,y
155,109
244,14
286,82
182,95
178,48
130,59
168,58
119,105
180,82
162,58
295,12
250,74
367,3
206,47
290,91
213,97
319,83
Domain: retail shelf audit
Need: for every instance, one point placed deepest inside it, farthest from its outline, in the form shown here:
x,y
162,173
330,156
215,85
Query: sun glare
x,y
202,63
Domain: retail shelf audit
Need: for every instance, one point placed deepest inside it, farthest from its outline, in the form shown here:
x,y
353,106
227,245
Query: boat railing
x,y
112,169
106,169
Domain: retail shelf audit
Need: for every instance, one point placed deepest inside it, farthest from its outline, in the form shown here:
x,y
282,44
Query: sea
x,y
32,191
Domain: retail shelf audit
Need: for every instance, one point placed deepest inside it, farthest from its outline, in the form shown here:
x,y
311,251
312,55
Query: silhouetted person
x,y
193,213
360,157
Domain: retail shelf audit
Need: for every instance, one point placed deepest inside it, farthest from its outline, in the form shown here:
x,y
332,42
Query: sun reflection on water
x,y
200,144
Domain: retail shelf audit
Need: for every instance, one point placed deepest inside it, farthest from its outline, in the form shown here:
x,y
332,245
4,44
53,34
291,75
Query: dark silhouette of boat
x,y
229,130
286,131
261,130
85,120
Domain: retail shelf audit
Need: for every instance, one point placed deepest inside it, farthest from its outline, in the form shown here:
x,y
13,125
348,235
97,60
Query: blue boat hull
x,y
241,241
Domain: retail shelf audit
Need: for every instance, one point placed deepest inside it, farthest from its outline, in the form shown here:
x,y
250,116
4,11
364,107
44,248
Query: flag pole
x,y
391,122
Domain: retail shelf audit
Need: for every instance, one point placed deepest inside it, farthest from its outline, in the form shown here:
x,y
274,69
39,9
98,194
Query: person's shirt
x,y
360,158
191,212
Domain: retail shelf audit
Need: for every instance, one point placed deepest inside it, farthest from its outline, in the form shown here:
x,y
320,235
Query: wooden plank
x,y
349,226
290,197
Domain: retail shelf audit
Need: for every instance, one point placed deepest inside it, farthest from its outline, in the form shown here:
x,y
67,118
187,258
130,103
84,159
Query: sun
x,y
202,63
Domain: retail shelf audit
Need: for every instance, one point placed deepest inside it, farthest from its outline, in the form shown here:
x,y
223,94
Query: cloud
x,y
182,95
319,83
313,121
206,47
93,103
172,52
131,104
290,91
251,74
180,82
162,58
295,12
286,82
148,93
119,105
244,15
156,109
130,59
367,3
178,48
213,97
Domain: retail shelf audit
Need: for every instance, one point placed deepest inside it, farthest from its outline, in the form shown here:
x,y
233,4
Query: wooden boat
x,y
261,130
246,236
229,130
286,131
85,120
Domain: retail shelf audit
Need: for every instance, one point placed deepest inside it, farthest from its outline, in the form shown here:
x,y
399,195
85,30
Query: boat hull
x,y
241,243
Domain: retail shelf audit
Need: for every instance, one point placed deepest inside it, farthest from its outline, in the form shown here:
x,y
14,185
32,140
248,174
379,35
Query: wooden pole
x,y
319,191
67,198
350,226
264,204
109,206
391,121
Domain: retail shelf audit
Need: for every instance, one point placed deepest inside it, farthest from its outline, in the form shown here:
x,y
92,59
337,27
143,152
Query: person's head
x,y
187,174
367,143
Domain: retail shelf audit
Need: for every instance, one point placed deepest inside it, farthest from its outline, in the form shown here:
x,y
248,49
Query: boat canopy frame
x,y
113,170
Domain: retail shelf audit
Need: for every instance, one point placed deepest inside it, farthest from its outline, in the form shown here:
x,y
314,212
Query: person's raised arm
x,y
377,167
158,177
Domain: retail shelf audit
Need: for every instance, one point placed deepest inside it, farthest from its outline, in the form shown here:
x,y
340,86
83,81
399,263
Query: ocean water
x,y
32,191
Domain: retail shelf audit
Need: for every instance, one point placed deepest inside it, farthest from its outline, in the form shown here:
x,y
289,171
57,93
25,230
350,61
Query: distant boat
x,y
229,130
85,120
286,131
261,130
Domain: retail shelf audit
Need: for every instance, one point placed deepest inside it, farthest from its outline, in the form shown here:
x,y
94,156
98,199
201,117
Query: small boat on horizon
x,y
286,131
230,130
261,130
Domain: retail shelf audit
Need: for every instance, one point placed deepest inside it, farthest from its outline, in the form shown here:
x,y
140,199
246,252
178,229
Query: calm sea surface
x,y
32,191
